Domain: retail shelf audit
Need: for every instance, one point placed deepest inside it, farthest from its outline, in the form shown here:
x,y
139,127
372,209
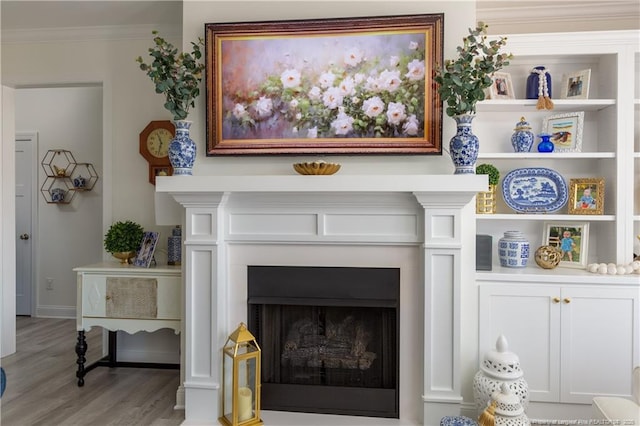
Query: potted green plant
x,y
486,200
123,239
462,83
178,77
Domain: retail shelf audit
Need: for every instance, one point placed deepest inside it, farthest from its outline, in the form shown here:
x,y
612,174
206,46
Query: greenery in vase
x,y
491,170
176,75
123,236
461,82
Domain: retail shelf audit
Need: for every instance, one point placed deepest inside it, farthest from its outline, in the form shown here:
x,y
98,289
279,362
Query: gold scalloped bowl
x,y
316,168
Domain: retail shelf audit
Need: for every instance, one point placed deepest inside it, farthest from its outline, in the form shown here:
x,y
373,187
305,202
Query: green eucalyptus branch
x,y
461,82
176,75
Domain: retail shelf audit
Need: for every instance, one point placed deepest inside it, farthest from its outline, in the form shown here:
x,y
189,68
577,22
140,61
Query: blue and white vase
x,y
522,138
174,247
513,250
464,146
182,149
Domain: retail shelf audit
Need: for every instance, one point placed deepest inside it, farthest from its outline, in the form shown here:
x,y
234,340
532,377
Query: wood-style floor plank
x,y
42,387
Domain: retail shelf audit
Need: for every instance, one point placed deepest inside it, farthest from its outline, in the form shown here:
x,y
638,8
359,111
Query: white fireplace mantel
x,y
432,213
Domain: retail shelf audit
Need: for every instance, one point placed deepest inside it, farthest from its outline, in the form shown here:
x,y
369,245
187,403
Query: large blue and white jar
x,y
513,250
464,146
522,138
182,149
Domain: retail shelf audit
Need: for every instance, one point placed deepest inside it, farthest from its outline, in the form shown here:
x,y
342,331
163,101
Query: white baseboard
x,y
55,311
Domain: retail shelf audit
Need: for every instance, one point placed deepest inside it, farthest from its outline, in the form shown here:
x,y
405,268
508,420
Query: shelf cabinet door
x,y
600,334
528,317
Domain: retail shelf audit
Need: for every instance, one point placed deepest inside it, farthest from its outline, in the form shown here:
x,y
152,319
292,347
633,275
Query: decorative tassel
x,y
544,101
487,417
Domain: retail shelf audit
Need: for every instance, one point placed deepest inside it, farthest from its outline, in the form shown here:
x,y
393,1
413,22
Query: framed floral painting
x,y
329,86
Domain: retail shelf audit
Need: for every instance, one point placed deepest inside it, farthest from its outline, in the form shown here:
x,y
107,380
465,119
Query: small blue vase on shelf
x,y
545,145
533,82
522,138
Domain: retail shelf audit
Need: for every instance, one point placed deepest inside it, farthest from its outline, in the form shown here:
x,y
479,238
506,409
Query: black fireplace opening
x,y
329,338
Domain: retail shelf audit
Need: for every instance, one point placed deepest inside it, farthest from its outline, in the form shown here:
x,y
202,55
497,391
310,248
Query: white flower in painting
x,y
410,127
264,106
353,56
347,87
315,93
290,78
373,107
343,124
332,98
312,132
294,130
298,116
355,100
293,103
239,111
395,113
373,85
394,61
413,45
326,79
390,80
358,77
416,70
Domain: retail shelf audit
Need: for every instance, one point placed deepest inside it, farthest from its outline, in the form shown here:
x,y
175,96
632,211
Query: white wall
x,y
67,235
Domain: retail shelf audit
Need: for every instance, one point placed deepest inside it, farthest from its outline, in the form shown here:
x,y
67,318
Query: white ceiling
x,y
27,14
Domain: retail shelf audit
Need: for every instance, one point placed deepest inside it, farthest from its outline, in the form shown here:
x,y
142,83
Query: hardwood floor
x,y
42,389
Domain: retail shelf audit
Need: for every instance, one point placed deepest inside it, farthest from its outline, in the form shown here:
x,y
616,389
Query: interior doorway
x,y
26,149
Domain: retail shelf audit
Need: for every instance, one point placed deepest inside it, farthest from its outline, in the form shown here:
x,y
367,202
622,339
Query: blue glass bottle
x,y
545,145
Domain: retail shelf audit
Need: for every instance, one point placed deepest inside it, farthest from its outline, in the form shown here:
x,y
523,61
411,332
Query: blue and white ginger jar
x,y
522,138
513,250
182,149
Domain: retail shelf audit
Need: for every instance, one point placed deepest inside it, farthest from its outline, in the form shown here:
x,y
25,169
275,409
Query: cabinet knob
x,y
567,300
556,300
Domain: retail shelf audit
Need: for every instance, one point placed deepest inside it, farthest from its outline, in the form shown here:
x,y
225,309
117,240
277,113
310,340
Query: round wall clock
x,y
154,147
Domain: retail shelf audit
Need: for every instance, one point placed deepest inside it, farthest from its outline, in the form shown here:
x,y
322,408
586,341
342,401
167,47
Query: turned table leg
x,y
81,350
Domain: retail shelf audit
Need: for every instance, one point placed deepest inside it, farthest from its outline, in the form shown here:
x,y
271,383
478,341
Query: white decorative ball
x,y
602,269
635,264
610,264
629,269
611,269
593,267
621,269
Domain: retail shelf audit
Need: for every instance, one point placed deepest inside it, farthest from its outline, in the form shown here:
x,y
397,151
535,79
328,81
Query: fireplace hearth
x,y
329,338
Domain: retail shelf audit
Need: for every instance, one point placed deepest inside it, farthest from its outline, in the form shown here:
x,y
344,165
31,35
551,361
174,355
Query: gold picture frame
x,y
586,196
324,86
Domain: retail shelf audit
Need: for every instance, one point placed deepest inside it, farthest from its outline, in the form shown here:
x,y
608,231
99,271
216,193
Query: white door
x,y
26,164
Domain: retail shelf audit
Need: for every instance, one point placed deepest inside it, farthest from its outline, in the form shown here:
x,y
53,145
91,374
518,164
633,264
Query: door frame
x,y
32,136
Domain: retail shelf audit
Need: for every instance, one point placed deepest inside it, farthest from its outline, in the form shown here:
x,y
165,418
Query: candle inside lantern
x,y
245,411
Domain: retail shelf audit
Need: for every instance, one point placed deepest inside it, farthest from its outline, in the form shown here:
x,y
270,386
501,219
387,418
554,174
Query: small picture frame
x,y
502,87
576,85
565,130
147,248
572,239
586,196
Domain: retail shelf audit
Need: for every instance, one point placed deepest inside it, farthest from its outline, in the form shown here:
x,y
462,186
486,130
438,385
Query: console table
x,y
123,297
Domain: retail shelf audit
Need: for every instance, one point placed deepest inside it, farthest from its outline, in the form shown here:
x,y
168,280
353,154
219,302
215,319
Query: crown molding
x,y
513,13
96,33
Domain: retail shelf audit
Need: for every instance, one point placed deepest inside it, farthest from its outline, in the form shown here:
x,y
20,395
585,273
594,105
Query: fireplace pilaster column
x,y
205,317
449,265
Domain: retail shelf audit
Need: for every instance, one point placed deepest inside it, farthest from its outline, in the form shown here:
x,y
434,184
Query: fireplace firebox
x,y
329,338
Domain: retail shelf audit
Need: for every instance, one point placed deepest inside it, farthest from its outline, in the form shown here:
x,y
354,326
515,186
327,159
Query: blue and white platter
x,y
534,190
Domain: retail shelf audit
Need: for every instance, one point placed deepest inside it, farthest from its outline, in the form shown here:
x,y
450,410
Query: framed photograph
x,y
586,196
576,85
572,238
328,86
502,87
147,248
565,130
